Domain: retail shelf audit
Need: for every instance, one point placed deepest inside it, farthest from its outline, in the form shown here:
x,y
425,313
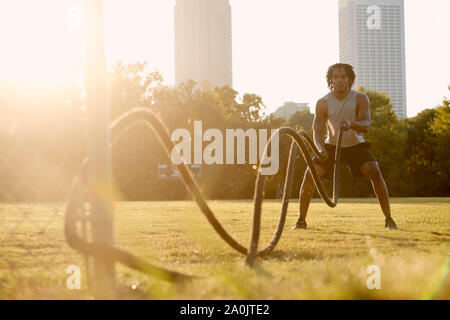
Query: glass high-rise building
x,y
372,40
203,41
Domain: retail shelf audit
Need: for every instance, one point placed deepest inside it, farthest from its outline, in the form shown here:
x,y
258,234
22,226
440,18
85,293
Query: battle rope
x,y
75,206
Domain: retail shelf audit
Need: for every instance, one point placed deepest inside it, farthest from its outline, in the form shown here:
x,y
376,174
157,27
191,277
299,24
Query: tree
x,y
301,120
420,153
387,137
40,138
440,127
131,85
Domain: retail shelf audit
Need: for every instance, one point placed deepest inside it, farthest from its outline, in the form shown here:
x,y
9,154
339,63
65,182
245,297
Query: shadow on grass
x,y
304,256
376,236
393,200
440,234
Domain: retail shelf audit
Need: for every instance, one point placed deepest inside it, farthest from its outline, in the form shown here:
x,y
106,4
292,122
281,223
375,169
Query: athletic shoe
x,y
390,224
301,224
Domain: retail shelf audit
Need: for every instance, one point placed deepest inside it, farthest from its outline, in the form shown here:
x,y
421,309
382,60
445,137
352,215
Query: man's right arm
x,y
319,125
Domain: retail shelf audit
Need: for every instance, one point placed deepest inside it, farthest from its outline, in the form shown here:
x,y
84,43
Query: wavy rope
x,y
144,115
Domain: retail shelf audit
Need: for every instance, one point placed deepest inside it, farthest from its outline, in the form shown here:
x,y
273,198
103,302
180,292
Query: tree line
x,y
42,139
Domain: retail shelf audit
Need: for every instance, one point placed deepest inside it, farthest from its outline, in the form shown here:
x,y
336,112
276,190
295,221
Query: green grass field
x,y
329,260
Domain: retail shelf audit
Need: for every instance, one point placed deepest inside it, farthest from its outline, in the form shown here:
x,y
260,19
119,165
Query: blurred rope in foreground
x,y
75,210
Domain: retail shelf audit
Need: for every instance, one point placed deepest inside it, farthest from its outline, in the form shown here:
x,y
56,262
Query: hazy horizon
x,y
279,52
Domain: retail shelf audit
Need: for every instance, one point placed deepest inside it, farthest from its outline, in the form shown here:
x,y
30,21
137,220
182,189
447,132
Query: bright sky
x,y
281,48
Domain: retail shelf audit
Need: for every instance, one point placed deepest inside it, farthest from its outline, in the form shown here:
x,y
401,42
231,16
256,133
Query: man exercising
x,y
343,105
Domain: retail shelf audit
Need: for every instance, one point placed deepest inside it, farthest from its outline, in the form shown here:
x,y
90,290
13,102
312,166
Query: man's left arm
x,y
362,122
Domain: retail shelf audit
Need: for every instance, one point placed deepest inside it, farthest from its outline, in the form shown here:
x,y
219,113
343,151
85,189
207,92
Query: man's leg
x,y
306,193
371,170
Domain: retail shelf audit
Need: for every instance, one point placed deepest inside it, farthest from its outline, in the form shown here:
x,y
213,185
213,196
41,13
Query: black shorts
x,y
354,157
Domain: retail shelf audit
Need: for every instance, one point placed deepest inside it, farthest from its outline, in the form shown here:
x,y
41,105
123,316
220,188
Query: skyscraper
x,y
203,41
372,39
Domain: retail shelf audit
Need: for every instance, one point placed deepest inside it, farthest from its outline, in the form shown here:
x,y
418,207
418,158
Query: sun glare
x,y
41,40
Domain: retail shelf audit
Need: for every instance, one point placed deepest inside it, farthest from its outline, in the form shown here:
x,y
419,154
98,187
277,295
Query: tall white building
x,y
372,40
203,41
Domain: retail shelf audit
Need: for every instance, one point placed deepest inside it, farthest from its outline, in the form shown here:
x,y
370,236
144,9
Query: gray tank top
x,y
338,111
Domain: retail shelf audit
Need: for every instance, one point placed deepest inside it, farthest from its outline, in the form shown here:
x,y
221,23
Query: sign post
x,y
98,153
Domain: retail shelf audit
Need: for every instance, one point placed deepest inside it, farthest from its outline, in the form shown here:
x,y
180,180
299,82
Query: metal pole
x,y
99,161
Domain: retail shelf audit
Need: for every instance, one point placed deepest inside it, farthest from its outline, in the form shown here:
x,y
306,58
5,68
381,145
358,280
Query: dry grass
x,y
326,261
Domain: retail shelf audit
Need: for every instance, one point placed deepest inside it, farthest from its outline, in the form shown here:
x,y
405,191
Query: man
x,y
343,105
